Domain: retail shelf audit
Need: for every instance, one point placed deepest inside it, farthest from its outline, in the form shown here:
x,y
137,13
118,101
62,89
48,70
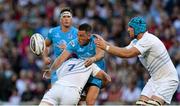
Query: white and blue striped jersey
x,y
154,57
74,73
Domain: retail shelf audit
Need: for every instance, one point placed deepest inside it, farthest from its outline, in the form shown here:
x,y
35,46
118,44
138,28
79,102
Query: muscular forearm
x,y
57,63
117,51
99,56
120,52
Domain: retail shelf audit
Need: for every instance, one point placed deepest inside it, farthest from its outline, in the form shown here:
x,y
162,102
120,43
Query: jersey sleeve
x,y
49,37
74,32
143,45
132,43
129,46
95,69
71,47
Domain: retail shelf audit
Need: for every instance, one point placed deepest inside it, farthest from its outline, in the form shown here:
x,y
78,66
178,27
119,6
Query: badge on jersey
x,y
70,36
72,43
62,42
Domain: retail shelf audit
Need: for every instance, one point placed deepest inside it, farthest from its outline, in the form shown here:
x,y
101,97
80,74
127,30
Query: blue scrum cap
x,y
138,24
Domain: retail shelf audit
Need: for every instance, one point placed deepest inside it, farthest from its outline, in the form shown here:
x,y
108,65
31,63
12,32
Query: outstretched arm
x,y
117,51
122,52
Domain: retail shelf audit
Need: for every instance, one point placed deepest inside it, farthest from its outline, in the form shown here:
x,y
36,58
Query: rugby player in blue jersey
x,y
85,48
59,37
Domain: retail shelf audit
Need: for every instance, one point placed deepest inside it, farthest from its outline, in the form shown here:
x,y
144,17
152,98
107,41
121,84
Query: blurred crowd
x,y
21,71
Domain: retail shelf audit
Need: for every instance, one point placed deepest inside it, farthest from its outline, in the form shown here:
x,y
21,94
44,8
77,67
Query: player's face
x,y
131,32
83,37
66,21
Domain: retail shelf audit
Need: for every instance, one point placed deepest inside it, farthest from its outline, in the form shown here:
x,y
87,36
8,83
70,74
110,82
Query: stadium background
x,y
20,71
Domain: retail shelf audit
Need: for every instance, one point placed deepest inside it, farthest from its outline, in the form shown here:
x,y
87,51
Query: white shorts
x,y
62,95
163,89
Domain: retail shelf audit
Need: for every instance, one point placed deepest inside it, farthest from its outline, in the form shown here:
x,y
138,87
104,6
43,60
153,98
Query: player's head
x,y
136,26
84,34
66,17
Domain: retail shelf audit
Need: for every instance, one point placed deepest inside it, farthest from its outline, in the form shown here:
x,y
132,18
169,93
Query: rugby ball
x,y
37,44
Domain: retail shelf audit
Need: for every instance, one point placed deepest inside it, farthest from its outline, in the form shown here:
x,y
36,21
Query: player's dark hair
x,y
85,27
66,9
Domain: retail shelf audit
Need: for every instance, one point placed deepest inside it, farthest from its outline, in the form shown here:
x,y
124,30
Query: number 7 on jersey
x,y
71,66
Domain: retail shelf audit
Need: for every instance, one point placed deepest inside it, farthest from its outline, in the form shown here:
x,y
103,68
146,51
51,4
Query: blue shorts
x,y
54,77
93,81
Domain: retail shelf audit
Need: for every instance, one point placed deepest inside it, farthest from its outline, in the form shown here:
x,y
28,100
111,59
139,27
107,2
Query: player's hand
x,y
62,46
47,74
47,60
100,42
89,61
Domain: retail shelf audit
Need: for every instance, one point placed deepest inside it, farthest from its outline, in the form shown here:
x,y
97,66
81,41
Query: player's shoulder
x,y
134,41
74,30
150,37
75,40
54,29
92,38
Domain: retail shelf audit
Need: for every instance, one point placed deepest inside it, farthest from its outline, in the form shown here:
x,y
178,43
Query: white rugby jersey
x,y
154,56
74,73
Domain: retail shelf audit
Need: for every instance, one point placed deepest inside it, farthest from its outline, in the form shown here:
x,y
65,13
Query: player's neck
x,y
65,29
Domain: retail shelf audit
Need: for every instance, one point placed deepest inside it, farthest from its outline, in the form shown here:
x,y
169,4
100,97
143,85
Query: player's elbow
x,y
107,80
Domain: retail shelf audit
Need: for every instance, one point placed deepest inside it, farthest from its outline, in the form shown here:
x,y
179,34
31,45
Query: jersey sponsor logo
x,y
72,43
70,36
62,42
